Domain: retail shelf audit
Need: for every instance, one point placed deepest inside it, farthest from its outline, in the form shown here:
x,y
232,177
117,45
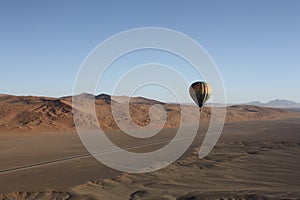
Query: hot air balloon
x,y
200,92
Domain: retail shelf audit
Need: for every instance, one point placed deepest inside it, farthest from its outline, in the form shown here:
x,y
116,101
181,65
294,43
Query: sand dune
x,y
36,114
234,170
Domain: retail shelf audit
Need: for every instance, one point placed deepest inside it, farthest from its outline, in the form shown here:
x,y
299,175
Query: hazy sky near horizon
x,y
255,44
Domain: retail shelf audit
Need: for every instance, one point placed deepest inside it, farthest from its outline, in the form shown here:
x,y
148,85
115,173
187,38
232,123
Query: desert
x,y
257,156
149,100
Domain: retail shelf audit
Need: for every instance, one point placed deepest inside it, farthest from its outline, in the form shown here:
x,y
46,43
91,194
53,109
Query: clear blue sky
x,y
255,44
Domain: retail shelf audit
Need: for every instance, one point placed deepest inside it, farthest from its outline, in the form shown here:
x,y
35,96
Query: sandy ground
x,y
252,160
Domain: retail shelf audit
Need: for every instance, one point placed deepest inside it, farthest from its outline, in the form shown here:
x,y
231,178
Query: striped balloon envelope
x,y
200,92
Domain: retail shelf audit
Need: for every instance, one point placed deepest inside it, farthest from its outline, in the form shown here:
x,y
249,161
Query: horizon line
x,y
71,95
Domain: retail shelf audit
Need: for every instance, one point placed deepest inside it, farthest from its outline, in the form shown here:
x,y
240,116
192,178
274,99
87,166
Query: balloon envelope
x,y
200,92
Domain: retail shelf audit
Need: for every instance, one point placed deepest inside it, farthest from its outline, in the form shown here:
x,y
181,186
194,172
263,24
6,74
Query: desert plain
x,y
42,157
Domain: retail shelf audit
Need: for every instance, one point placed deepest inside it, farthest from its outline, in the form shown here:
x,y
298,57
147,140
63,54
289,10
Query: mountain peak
x,y
282,101
277,103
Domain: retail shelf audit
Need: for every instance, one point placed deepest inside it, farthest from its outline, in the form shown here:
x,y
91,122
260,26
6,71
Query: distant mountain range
x,y
277,103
